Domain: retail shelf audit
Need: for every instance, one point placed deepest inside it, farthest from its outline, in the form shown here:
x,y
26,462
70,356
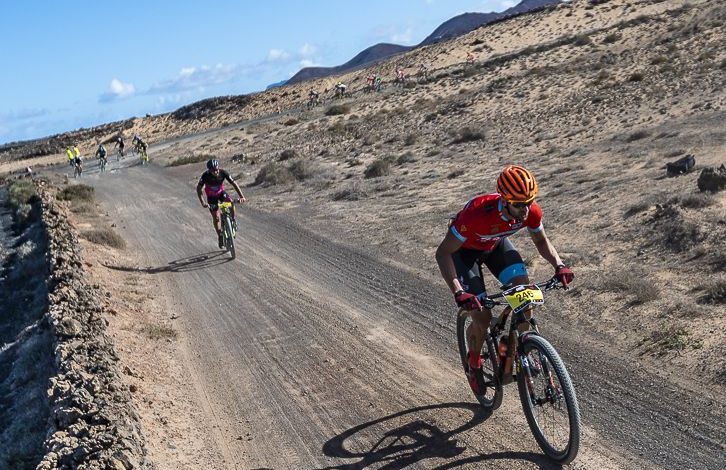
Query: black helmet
x,y
213,164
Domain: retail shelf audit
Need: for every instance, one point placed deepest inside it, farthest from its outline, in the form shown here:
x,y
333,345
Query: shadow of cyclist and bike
x,y
415,440
191,263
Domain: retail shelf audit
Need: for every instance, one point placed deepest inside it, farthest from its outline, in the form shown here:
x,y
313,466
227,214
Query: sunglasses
x,y
521,205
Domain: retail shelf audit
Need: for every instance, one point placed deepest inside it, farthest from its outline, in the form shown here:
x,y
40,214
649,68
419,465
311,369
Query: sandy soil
x,y
594,100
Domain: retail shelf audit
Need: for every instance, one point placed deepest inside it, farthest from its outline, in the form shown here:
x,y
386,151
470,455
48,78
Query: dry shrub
x,y
272,174
287,155
410,139
337,109
715,293
380,167
636,77
291,122
638,135
681,235
405,158
104,236
633,282
77,192
456,173
694,201
352,192
582,40
612,38
190,159
468,134
158,332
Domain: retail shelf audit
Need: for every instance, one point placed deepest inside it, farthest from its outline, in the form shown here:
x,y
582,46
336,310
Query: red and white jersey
x,y
481,224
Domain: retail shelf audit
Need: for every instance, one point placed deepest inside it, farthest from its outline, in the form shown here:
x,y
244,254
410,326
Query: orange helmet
x,y
517,184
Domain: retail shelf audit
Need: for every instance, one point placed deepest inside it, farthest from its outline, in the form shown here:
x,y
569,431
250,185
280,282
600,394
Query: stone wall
x,y
92,423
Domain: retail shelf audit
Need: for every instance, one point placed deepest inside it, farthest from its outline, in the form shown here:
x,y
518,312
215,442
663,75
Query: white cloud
x,y
117,90
402,36
195,77
308,50
278,55
506,4
308,63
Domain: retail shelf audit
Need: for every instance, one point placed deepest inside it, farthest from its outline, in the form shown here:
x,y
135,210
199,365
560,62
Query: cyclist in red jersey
x,y
479,235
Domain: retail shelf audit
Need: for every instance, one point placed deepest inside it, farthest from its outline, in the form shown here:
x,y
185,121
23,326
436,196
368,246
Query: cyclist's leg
x,y
469,274
506,264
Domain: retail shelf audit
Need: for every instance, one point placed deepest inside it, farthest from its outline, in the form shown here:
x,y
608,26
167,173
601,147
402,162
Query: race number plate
x,y
521,297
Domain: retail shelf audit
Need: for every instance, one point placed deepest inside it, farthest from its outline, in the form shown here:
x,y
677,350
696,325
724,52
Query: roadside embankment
x,y
87,419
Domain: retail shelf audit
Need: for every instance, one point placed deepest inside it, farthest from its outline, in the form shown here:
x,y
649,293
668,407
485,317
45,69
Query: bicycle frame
x,y
515,338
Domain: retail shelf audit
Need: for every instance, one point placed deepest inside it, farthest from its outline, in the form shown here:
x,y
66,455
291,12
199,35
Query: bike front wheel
x,y
549,400
229,237
491,398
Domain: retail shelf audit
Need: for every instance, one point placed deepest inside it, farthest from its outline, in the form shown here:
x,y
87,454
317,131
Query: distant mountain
x,y
459,25
277,84
368,56
449,29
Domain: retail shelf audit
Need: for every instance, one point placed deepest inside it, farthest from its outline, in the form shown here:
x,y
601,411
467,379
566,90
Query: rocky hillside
x,y
595,99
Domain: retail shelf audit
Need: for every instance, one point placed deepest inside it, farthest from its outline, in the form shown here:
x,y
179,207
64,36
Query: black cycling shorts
x,y
214,201
504,262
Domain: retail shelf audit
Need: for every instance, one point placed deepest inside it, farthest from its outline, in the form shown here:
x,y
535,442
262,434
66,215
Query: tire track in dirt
x,y
299,342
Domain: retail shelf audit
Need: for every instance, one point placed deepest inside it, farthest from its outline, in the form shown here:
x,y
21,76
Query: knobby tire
x,y
568,454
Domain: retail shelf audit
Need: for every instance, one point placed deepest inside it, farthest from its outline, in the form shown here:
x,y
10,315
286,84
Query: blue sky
x,y
70,64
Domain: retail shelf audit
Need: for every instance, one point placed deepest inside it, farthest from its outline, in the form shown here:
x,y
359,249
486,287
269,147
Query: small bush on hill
x,y
410,139
351,192
291,122
337,109
715,293
405,158
77,192
104,236
633,282
189,159
274,173
612,38
380,167
287,155
582,40
468,134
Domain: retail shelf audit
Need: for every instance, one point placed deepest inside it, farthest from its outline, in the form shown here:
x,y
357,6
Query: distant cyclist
x,y
119,144
77,165
340,88
212,182
70,154
479,234
101,153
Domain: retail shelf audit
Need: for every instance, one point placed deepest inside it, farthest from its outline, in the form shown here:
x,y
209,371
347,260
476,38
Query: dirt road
x,y
309,353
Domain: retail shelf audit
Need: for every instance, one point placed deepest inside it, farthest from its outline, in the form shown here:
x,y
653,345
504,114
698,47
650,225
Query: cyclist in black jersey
x,y
212,181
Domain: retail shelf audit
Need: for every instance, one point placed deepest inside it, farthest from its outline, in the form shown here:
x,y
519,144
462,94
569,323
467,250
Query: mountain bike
x,y
143,156
229,227
119,155
77,169
545,389
102,164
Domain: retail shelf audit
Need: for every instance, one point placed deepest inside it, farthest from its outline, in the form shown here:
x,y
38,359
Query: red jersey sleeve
x,y
534,219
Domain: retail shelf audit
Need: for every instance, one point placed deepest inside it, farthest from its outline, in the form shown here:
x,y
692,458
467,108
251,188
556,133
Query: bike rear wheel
x,y
548,399
228,234
491,399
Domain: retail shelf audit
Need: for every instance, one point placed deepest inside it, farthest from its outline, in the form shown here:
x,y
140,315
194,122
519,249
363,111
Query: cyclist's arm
x,y
236,187
545,247
200,185
448,247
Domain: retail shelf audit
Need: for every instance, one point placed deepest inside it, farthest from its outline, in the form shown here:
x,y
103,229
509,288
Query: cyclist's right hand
x,y
205,205
467,301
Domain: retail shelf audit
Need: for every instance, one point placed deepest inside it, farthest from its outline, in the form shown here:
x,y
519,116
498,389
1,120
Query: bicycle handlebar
x,y
552,283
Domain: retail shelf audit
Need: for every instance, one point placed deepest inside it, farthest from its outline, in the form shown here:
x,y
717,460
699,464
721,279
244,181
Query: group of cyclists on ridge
x,y
76,160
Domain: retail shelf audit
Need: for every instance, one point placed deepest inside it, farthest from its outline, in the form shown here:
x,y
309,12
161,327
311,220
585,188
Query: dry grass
x,y
352,192
632,282
159,332
190,159
273,174
77,192
104,236
468,134
714,293
337,109
380,167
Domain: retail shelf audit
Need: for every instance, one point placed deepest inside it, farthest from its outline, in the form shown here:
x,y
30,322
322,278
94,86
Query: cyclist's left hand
x,y
241,200
564,275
